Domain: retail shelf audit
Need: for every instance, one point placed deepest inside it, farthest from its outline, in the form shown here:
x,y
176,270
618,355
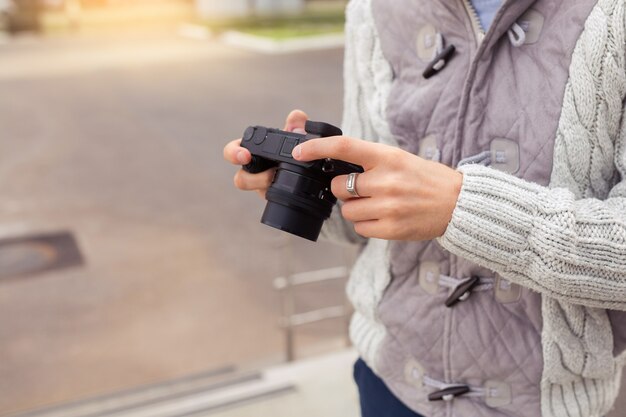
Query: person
x,y
492,209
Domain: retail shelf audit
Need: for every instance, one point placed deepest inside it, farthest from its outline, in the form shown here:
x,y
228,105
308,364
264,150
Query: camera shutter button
x,y
248,134
259,135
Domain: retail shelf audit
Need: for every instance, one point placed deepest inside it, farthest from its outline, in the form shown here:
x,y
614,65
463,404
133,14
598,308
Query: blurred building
x,y
239,8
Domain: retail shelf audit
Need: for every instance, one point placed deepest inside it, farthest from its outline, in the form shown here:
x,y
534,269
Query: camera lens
x,y
298,201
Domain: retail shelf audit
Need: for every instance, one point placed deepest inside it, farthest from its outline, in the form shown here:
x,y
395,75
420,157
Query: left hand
x,y
403,196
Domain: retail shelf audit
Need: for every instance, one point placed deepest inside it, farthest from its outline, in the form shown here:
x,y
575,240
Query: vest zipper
x,y
479,32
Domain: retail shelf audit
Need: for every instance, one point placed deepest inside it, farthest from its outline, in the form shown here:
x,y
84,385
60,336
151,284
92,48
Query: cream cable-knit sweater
x,y
567,241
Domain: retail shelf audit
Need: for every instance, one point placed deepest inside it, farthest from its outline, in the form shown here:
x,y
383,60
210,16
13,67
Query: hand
x,y
237,155
403,196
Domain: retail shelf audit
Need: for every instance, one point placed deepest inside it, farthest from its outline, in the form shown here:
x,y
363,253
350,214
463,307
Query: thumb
x,y
296,120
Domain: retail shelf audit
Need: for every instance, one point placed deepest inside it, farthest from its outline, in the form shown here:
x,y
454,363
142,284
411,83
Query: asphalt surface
x,y
118,139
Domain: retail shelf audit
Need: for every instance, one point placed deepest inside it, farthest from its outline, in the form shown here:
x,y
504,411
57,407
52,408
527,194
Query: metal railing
x,y
292,319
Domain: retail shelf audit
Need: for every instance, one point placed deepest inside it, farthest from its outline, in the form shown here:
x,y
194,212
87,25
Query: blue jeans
x,y
375,398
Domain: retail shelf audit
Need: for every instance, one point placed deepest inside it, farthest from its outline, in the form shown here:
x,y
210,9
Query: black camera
x,y
299,199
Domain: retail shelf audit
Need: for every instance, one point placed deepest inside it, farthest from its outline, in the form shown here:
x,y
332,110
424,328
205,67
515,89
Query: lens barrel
x,y
298,201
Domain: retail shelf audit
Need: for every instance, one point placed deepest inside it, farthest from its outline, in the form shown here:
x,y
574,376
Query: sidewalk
x,y
307,388
322,387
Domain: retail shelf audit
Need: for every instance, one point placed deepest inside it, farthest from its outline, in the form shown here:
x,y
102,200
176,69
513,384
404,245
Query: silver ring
x,y
351,184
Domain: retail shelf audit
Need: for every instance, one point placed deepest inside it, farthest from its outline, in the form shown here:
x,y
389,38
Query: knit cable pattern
x,y
567,241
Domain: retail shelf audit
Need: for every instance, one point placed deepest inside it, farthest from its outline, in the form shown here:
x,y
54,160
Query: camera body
x,y
299,199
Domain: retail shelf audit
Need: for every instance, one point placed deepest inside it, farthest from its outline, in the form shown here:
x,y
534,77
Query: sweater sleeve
x,y
545,239
561,241
367,81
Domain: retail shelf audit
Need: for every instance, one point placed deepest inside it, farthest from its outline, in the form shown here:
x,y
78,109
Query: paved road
x,y
119,139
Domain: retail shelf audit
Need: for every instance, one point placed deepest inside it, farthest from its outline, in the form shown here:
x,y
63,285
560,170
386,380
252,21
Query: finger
x,y
296,120
383,229
369,228
235,154
359,210
247,181
343,148
339,187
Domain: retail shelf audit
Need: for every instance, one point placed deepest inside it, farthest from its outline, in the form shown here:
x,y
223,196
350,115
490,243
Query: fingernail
x,y
299,130
241,157
297,152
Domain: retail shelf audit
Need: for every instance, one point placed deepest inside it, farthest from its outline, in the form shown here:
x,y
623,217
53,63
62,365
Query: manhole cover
x,y
36,254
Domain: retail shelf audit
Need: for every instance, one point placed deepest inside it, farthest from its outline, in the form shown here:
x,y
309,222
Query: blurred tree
x,y
27,15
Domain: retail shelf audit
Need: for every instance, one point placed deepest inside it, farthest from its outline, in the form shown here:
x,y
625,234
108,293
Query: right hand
x,y
237,155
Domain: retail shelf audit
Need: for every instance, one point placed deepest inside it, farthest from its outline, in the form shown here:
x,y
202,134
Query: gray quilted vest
x,y
456,332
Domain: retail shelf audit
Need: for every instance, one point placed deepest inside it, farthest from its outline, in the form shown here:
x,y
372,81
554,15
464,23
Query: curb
x,y
271,46
263,44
